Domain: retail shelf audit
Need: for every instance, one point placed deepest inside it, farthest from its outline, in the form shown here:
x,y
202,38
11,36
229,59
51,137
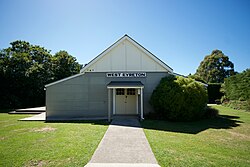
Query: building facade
x,y
119,81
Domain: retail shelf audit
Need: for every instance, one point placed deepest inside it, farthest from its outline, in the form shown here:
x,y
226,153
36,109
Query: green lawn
x,y
223,141
47,144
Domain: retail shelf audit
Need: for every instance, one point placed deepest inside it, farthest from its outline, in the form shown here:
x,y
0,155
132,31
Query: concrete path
x,y
38,117
124,144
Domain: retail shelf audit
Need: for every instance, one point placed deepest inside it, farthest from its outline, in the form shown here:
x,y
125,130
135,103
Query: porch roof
x,y
125,84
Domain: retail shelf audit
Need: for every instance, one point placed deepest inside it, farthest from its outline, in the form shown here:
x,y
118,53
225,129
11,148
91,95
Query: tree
x,y
64,65
26,68
215,67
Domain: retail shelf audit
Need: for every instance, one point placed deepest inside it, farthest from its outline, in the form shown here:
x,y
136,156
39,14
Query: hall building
x,y
119,81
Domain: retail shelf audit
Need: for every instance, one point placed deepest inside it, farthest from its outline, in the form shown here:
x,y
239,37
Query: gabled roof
x,y
125,37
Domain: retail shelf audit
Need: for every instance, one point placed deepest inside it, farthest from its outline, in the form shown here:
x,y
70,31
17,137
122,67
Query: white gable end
x,y
126,55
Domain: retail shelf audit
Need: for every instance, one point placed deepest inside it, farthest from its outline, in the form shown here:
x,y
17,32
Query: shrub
x,y
179,99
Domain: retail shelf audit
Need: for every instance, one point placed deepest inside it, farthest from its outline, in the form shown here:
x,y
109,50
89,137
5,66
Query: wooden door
x,y
126,101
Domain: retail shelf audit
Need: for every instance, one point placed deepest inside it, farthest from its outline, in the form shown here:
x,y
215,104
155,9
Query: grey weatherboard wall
x,y
86,96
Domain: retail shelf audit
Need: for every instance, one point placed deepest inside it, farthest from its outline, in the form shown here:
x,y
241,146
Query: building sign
x,y
126,74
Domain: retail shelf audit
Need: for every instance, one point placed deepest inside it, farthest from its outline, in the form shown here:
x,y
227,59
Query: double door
x,y
126,102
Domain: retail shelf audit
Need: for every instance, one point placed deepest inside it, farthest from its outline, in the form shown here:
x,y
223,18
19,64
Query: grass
x,y
47,144
222,141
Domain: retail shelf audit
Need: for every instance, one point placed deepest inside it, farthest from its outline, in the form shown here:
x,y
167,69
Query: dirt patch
x,y
45,129
36,163
22,129
239,135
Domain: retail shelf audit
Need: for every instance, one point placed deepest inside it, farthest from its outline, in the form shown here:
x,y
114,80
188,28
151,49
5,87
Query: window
x,y
120,91
130,91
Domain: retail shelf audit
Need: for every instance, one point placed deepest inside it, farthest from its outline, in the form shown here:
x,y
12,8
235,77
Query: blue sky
x,y
179,32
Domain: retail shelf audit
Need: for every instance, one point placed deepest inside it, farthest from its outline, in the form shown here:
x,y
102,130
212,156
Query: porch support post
x,y
142,104
137,101
113,100
109,105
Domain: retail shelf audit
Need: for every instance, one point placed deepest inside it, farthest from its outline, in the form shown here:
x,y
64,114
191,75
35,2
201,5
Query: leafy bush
x,y
179,99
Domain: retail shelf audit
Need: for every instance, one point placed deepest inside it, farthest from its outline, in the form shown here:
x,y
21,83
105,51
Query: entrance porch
x,y
125,98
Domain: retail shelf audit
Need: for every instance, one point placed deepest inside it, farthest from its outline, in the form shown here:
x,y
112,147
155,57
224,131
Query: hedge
x,y
237,87
237,91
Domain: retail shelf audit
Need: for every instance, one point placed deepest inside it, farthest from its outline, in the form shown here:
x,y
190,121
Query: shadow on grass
x,y
220,122
92,122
